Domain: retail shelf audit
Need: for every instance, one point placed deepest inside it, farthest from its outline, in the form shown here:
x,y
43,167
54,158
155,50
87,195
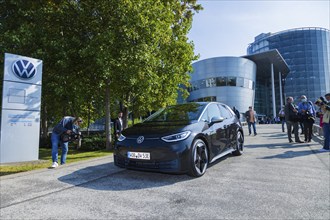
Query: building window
x,y
221,81
211,82
195,86
202,84
240,82
246,83
231,81
250,84
205,99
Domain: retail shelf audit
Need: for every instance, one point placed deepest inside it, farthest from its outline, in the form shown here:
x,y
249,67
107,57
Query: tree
x,y
135,52
154,53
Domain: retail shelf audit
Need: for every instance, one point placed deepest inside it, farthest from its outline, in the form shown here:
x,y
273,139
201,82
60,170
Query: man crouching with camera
x,y
326,121
68,125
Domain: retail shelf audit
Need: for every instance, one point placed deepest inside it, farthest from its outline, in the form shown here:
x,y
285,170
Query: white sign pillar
x,y
273,90
20,113
281,93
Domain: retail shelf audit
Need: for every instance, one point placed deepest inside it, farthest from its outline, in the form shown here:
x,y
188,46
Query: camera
x,y
73,136
325,102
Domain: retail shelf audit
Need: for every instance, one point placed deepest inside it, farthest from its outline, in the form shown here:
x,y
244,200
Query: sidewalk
x,y
19,187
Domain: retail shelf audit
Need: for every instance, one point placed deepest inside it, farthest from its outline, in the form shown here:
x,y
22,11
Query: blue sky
x,y
226,27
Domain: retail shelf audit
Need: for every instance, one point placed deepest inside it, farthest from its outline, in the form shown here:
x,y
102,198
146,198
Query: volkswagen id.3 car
x,y
182,138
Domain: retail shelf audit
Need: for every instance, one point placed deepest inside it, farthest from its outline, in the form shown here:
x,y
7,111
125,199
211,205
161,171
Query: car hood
x,y
155,129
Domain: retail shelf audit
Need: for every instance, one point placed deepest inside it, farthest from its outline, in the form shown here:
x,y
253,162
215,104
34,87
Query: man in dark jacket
x,y
67,125
291,118
118,125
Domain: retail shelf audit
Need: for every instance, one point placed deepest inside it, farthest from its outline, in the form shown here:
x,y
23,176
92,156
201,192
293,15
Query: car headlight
x,y
176,137
121,137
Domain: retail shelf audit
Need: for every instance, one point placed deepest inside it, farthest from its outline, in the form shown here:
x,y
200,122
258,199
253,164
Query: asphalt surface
x,y
271,180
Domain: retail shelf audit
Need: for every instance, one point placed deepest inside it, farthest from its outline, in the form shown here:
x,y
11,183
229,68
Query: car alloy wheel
x,y
239,144
199,157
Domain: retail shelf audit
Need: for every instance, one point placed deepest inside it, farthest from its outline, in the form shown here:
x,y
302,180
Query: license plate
x,y
138,155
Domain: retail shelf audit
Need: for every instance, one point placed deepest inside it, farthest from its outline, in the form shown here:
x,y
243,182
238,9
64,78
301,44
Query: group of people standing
x,y
305,113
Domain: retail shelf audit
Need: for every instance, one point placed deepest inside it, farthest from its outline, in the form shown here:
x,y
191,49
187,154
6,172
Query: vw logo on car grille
x,y
140,139
24,69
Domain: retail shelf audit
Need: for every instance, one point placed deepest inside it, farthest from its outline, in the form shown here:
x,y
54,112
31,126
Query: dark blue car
x,y
182,138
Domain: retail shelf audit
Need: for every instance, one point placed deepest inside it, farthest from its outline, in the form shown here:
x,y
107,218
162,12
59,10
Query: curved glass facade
x,y
230,80
307,53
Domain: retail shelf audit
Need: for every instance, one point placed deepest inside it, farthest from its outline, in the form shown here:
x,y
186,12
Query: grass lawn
x,y
45,160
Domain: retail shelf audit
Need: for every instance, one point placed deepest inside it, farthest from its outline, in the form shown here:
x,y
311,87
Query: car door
x,y
228,124
216,129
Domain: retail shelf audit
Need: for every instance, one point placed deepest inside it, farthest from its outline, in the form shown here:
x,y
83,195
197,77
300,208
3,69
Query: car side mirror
x,y
217,119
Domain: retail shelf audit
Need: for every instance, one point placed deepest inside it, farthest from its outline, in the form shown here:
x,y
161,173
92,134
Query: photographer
x,y
308,113
326,121
319,112
68,125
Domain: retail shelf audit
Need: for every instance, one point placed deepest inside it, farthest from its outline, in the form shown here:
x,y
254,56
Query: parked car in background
x,y
182,138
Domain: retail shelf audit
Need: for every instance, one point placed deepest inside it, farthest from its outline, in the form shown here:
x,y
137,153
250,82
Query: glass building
x,y
230,80
240,81
306,52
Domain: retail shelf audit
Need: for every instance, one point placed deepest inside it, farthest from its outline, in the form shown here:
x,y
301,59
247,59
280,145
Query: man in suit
x,y
291,118
118,125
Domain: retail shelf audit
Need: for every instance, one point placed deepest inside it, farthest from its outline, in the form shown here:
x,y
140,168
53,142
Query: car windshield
x,y
183,112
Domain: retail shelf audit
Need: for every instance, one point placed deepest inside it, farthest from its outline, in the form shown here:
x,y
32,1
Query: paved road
x,y
272,180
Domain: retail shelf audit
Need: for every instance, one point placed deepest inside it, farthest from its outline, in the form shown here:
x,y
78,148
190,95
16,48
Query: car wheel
x,y
198,158
239,147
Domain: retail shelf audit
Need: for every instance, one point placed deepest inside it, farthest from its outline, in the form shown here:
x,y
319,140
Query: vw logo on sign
x,y
140,139
24,69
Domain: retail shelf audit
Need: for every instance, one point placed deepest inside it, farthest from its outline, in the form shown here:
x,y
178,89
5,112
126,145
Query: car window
x,y
183,112
225,112
231,112
205,117
213,111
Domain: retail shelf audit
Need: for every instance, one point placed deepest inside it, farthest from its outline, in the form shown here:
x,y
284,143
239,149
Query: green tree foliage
x,y
138,48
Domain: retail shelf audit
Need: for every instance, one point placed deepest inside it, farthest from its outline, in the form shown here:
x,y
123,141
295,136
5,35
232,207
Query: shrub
x,y
45,142
93,143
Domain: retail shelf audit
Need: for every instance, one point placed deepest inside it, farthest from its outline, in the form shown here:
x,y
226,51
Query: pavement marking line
x,y
61,190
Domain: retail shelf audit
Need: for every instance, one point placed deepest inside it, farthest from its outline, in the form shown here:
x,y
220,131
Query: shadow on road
x,y
276,145
116,179
291,154
282,135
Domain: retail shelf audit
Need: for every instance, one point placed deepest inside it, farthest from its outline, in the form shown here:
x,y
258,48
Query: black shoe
x,y
249,134
255,134
290,141
299,141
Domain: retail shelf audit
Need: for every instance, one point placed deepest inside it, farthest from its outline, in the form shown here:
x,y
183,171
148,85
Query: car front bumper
x,y
164,157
